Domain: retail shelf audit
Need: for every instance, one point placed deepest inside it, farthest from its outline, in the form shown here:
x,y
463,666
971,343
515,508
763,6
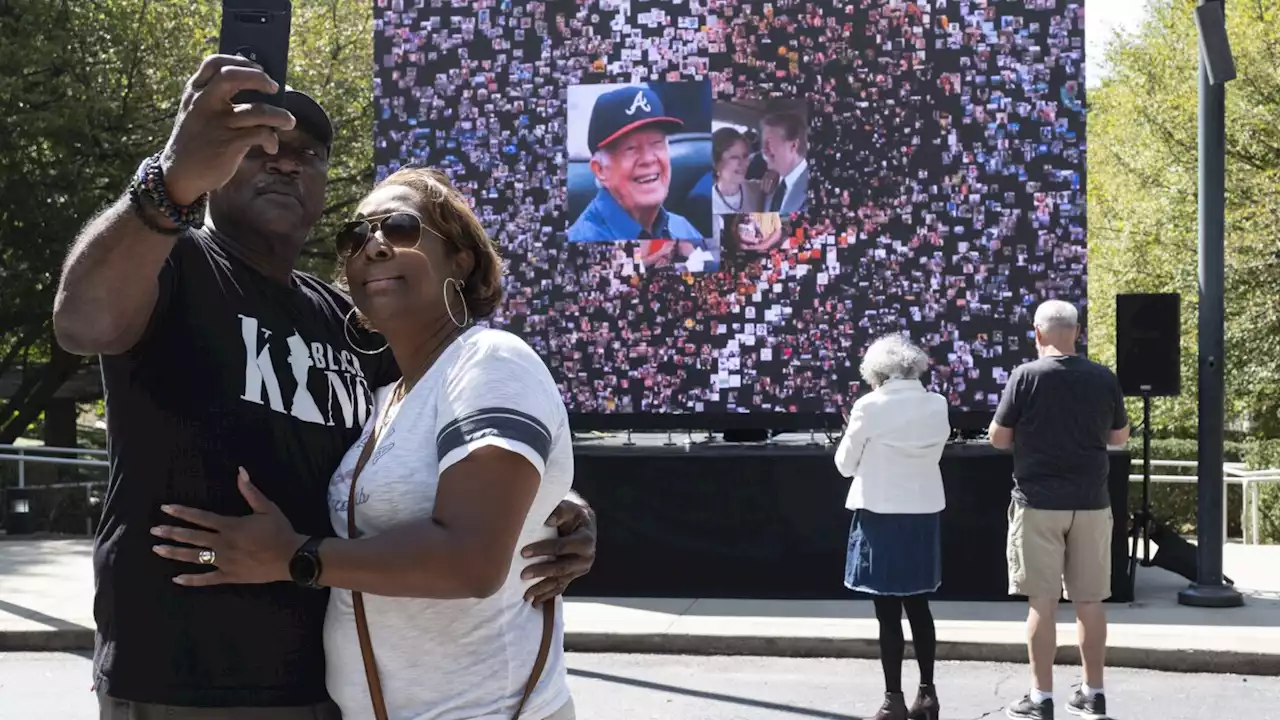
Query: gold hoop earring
x,y
346,332
466,312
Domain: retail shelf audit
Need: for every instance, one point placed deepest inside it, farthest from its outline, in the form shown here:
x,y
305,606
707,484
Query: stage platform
x,y
767,520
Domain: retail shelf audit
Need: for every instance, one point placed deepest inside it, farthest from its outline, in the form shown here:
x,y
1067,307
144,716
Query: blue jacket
x,y
604,220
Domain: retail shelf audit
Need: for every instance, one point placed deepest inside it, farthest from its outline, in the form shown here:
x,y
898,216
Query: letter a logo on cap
x,y
640,103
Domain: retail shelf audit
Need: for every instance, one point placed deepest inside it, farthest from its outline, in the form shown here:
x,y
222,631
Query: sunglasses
x,y
401,230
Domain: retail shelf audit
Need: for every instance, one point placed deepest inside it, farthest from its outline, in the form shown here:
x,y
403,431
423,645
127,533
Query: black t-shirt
x,y
1062,410
235,369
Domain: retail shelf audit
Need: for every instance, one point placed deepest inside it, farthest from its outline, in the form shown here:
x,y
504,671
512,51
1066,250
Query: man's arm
x,y
580,501
1119,417
573,550
1000,433
1001,437
110,281
1118,437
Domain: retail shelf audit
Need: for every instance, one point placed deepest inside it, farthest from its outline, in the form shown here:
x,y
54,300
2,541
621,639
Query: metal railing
x,y
1233,473
23,454
40,454
1250,481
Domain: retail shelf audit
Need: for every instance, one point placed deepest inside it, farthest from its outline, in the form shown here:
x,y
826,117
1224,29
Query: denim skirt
x,y
894,554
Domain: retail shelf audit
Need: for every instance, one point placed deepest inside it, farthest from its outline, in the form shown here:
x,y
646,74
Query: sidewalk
x,y
46,593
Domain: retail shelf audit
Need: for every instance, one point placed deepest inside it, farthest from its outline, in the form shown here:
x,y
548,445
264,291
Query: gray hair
x,y
601,156
1056,315
893,357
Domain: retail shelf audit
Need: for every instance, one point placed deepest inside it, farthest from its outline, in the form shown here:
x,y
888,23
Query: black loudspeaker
x,y
1175,554
1149,343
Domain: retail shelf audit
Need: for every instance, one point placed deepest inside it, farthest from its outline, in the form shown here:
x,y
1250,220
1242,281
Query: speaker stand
x,y
1211,596
1142,517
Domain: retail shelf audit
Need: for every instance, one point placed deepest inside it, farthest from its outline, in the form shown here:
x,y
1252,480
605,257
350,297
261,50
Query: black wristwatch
x,y
304,566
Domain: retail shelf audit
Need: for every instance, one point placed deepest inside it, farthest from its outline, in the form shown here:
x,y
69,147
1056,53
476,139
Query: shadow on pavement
x,y
36,616
718,697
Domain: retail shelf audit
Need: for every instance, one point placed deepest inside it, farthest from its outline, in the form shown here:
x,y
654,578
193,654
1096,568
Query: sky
x,y
1101,17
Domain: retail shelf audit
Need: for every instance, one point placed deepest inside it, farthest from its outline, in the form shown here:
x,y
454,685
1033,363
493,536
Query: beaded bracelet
x,y
150,182
140,212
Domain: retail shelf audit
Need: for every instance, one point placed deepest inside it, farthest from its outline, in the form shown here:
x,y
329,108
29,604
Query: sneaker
x,y
1024,709
1089,708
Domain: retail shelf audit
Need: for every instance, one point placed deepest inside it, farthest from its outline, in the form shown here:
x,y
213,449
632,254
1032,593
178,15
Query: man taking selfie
x,y
216,353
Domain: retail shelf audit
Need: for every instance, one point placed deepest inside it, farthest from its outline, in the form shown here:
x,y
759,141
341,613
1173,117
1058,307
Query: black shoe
x,y
894,708
1024,709
926,706
1089,708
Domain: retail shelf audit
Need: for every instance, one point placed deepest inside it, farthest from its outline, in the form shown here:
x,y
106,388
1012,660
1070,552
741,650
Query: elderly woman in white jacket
x,y
891,448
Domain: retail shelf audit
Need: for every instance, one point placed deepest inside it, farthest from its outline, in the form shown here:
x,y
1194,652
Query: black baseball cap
x,y
621,111
312,119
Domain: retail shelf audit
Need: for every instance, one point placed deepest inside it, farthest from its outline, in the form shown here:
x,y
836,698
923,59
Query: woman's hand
x,y
250,549
769,242
769,182
573,552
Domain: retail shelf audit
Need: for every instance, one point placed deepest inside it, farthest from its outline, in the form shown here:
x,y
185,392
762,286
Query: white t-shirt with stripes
x,y
454,659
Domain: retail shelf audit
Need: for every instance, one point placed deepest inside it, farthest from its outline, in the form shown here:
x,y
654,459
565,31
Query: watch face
x,y
302,568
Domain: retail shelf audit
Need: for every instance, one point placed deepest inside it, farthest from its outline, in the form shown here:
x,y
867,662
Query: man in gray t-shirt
x,y
1059,413
1063,408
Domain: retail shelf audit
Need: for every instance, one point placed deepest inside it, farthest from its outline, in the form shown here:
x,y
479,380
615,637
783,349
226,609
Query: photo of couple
x,y
642,170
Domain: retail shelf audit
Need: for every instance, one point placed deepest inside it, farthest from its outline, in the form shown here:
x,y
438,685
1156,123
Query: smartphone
x,y
258,30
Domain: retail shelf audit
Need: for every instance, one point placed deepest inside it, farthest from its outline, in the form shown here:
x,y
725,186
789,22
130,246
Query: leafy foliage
x,y
90,88
1143,199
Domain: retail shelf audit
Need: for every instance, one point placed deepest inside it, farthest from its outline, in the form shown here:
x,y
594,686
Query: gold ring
x,y
207,557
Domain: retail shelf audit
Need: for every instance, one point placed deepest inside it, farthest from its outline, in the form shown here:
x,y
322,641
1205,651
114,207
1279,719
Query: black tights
x,y
923,637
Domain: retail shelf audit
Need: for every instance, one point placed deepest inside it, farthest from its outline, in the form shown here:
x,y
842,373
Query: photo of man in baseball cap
x,y
631,163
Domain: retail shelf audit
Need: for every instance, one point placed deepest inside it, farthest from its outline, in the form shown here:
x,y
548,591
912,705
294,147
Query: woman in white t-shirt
x,y
460,464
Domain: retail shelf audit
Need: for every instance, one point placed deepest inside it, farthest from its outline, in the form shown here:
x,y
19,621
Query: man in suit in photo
x,y
784,143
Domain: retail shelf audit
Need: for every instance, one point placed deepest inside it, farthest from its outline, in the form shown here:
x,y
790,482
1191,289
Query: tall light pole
x,y
1216,69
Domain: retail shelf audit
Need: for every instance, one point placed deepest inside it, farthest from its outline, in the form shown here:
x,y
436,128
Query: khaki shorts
x,y
1053,550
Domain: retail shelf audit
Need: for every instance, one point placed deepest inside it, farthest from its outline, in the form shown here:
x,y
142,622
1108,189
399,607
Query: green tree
x,y
1143,199
90,88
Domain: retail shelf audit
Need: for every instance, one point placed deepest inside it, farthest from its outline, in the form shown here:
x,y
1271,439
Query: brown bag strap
x,y
357,599
544,651
362,620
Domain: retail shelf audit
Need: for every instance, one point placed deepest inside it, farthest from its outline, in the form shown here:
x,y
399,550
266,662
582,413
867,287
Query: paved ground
x,y
672,687
46,601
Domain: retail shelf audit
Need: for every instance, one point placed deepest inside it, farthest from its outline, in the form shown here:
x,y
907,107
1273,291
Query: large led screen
x,y
712,207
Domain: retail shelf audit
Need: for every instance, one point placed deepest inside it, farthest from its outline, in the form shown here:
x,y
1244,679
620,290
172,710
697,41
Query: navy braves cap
x,y
620,111
311,118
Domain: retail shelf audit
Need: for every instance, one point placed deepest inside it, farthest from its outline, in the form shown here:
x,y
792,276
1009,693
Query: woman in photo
x,y
733,193
891,448
754,234
460,465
